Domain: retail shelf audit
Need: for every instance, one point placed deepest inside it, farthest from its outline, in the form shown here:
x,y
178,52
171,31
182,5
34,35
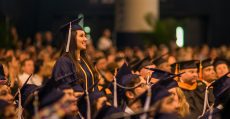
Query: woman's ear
x,y
129,95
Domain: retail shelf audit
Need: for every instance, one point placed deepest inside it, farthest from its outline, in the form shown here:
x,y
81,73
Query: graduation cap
x,y
141,64
71,26
160,74
51,98
221,85
2,74
128,78
218,61
169,82
160,60
26,91
17,93
124,70
133,61
64,86
77,88
207,62
40,101
157,93
186,64
106,111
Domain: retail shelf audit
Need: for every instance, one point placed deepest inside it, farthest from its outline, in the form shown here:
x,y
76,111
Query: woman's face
x,y
81,40
170,104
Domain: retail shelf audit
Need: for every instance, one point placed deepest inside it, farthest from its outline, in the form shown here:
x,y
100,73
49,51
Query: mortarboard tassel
x,y
19,104
88,104
69,37
148,78
115,92
200,71
177,71
205,102
147,103
35,103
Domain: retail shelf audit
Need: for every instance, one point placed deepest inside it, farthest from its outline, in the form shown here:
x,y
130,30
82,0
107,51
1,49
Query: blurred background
x,y
131,22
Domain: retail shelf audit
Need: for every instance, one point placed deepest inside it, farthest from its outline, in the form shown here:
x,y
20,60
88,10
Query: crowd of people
x,y
78,80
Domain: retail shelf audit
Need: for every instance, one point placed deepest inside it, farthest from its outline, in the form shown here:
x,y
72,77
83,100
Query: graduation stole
x,y
187,86
86,78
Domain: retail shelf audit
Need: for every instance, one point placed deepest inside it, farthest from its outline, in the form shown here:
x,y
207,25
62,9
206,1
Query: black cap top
x,y
207,62
124,70
74,25
51,98
77,88
187,64
218,61
160,74
64,86
96,95
159,60
128,78
141,64
26,91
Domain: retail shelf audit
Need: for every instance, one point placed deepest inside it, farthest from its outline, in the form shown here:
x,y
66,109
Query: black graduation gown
x,y
166,116
195,98
64,72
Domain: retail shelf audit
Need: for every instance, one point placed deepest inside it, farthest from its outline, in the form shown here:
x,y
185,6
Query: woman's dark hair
x,y
72,52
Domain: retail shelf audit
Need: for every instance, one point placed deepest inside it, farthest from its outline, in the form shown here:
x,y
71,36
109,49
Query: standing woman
x,y
73,67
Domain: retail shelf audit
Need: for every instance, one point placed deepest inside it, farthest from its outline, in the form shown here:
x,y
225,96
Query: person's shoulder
x,y
64,59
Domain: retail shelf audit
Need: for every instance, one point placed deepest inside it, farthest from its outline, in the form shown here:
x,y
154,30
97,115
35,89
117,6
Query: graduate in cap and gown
x,y
193,89
221,66
159,100
162,63
73,66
